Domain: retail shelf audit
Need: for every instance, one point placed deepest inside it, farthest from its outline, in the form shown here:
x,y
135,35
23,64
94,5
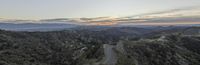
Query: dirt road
x,y
110,54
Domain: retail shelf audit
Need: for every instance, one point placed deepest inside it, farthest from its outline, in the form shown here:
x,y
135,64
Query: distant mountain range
x,y
35,26
141,21
63,26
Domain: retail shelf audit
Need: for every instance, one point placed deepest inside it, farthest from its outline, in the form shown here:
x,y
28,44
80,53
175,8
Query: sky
x,y
47,9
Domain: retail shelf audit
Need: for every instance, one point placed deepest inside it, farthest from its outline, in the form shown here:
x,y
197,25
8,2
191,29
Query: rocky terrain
x,y
107,46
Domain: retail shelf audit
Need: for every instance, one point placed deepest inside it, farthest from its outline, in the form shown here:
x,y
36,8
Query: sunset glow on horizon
x,y
100,12
48,9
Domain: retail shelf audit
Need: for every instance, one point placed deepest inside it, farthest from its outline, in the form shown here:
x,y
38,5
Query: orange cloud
x,y
103,23
164,23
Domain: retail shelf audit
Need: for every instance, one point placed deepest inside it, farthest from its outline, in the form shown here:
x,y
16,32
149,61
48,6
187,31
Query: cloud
x,y
172,12
174,16
58,19
103,23
166,21
187,15
16,21
160,23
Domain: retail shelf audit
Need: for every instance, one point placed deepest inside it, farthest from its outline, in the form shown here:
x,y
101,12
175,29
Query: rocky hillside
x,y
113,46
171,50
48,48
